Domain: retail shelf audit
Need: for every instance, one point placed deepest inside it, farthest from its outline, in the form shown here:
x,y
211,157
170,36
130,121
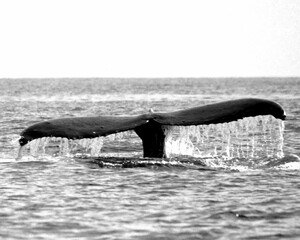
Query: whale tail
x,y
150,127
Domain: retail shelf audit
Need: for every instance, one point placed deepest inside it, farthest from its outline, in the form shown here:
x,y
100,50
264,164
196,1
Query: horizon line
x,y
235,77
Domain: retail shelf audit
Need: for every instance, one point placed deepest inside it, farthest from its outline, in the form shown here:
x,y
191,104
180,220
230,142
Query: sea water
x,y
237,180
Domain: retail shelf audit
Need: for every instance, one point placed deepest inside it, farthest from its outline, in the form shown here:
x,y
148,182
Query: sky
x,y
149,38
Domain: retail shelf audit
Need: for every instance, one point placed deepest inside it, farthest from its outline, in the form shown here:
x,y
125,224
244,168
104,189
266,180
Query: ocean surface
x,y
247,191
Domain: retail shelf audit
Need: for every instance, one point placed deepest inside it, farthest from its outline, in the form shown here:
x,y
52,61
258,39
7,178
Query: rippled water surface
x,y
52,196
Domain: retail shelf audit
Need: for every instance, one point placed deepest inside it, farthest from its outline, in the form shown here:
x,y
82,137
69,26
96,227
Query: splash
x,y
248,138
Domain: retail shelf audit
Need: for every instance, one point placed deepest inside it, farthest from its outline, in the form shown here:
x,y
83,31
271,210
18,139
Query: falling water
x,y
87,146
251,138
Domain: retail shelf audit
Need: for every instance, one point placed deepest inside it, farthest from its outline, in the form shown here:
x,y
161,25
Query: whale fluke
x,y
81,127
149,127
221,112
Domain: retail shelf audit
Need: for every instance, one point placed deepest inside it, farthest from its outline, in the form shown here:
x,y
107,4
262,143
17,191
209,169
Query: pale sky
x,y
149,38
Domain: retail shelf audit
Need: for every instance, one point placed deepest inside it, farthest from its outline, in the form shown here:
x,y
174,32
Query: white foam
x,y
100,97
289,166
